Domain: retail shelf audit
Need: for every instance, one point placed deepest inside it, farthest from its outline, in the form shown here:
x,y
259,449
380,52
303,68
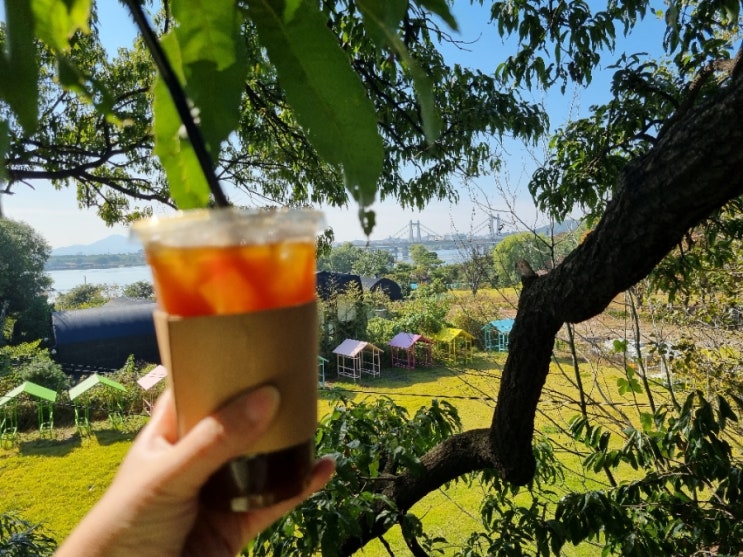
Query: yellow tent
x,y
456,343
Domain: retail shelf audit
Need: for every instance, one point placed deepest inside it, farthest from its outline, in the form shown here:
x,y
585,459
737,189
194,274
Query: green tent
x,y
45,408
32,389
82,409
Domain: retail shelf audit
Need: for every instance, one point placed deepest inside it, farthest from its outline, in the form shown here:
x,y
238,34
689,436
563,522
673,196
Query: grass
x,y
57,481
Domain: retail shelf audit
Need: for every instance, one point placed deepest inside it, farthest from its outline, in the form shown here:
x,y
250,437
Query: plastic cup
x,y
235,291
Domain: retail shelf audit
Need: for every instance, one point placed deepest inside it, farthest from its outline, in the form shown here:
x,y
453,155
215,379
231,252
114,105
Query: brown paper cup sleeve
x,y
211,359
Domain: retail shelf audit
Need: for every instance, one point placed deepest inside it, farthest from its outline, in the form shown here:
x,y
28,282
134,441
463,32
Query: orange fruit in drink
x,y
209,280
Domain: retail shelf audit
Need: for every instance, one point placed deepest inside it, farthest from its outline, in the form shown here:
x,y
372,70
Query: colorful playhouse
x,y
355,357
496,335
455,344
112,396
409,350
148,382
9,410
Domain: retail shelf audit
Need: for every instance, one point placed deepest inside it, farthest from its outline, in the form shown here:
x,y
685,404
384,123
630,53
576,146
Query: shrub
x,y
379,331
102,400
42,370
20,538
424,314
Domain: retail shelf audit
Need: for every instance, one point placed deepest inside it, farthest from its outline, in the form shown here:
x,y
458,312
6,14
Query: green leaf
x,y
88,88
214,63
381,20
725,411
731,8
57,20
619,346
290,9
368,220
327,95
188,186
646,419
424,92
22,94
207,31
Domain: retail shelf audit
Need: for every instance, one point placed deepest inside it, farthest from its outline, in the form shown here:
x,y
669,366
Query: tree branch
x,y
686,176
451,459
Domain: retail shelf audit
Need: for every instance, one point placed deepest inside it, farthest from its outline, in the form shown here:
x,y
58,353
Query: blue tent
x,y
497,333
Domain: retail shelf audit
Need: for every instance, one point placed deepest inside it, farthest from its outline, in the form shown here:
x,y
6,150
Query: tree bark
x,y
693,170
454,457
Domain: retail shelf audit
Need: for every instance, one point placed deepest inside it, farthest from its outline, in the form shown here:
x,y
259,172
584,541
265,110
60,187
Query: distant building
x,y
385,285
102,338
329,284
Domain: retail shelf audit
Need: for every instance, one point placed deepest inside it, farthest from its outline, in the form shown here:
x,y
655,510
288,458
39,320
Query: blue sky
x,y
56,216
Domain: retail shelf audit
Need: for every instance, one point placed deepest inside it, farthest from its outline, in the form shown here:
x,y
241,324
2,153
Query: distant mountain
x,y
116,243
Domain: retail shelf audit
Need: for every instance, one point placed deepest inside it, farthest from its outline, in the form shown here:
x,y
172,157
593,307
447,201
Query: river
x,y
66,280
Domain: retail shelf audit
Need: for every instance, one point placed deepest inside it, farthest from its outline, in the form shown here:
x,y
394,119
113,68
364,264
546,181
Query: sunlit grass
x,y
56,482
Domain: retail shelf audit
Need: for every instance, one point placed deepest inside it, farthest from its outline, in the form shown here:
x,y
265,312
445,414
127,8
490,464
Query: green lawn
x,y
56,481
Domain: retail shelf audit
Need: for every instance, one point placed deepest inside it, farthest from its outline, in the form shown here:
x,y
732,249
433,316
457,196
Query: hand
x,y
152,507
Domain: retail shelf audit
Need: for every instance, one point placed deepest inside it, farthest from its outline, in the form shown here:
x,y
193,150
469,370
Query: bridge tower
x,y
495,226
414,231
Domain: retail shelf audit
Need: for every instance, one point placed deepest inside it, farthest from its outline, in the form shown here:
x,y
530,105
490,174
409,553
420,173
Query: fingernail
x,y
262,403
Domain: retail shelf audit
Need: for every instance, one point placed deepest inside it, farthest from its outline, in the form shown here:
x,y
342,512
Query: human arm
x,y
152,507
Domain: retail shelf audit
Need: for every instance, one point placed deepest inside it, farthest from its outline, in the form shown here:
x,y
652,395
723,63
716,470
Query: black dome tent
x,y
103,338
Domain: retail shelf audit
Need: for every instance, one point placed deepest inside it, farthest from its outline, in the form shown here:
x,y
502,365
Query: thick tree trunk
x,y
692,171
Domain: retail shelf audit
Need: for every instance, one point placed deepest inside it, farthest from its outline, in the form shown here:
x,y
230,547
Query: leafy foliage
x,y
686,498
424,313
20,538
348,258
689,499
219,58
22,278
140,289
343,315
515,519
588,154
542,252
83,296
42,370
371,442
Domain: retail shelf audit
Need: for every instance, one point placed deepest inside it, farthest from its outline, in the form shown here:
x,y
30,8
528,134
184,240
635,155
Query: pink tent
x,y
148,381
409,349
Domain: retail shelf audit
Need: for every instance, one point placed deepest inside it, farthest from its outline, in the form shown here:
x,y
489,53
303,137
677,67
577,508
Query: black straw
x,y
179,99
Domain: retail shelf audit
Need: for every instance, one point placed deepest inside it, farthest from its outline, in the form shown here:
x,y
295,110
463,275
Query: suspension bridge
x,y
485,234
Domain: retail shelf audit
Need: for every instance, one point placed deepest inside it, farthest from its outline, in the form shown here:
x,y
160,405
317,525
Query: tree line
x,y
98,261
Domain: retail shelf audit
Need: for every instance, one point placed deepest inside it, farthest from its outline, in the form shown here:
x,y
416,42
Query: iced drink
x,y
236,309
